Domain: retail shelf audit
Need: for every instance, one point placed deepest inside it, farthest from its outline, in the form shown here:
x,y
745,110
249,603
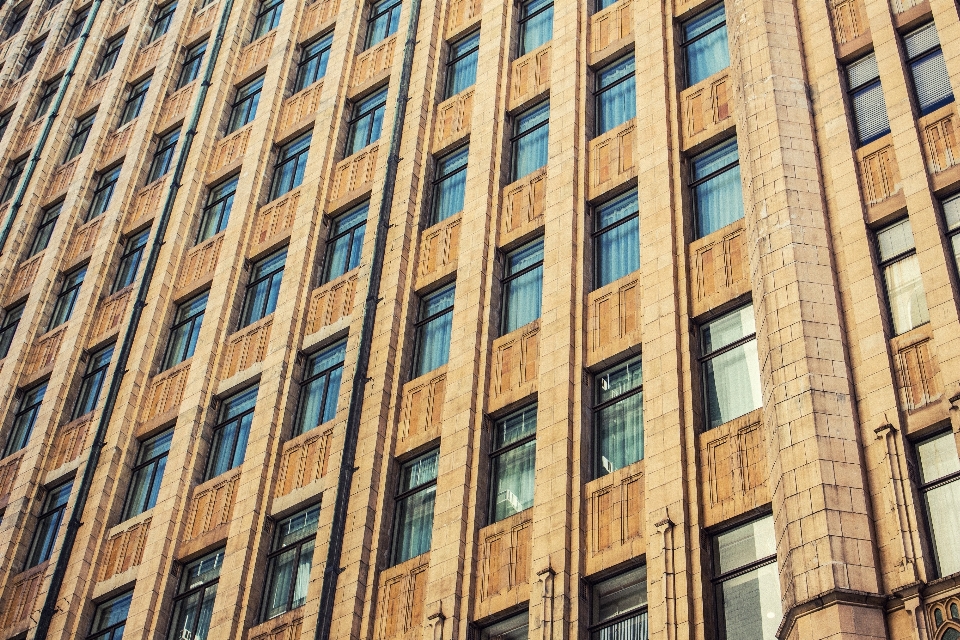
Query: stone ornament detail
x,y
402,592
611,24
124,549
944,616
896,492
849,20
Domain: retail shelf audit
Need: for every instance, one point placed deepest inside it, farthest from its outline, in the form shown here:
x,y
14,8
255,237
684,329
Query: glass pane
x,y
932,82
951,211
239,403
513,478
728,329
297,527
632,628
451,186
617,104
938,457
618,252
462,74
943,510
200,571
620,433
112,612
718,200
751,604
895,240
278,583
745,544
419,471
709,53
302,579
156,446
514,628
620,594
921,40
524,257
414,524
908,304
522,300
516,426
732,381
538,30
862,71
870,113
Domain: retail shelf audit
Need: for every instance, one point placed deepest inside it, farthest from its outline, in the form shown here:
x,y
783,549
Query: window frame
x,y
516,136
34,49
55,512
599,406
129,251
361,110
218,205
378,9
190,321
597,234
163,155
882,265
331,241
14,173
860,89
305,385
455,58
422,322
223,423
78,141
76,26
106,184
192,59
154,477
17,18
273,280
10,322
107,632
912,61
440,178
110,55
267,18
506,281
594,628
684,43
401,496
68,290
183,594
5,118
134,102
162,20
50,88
22,410
246,101
498,452
278,549
524,18
704,358
321,56
294,160
93,378
599,91
45,227
696,182
923,488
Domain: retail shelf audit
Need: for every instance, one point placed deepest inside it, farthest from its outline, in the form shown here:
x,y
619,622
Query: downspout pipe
x,y
86,481
332,570
47,126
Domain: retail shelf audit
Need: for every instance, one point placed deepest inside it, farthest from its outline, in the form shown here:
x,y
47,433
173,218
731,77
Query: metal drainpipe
x,y
332,571
47,125
74,522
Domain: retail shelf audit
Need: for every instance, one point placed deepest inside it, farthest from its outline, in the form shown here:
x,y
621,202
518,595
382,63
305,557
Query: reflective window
x,y
131,108
161,24
513,463
79,139
147,474
940,486
951,213
48,220
434,322
191,64
216,213
91,384
290,562
931,82
245,104
231,432
14,173
536,24
717,193
320,388
619,607
449,185
46,96
48,524
522,286
163,156
196,593
8,328
313,62
462,65
268,17
76,26
901,277
618,416
130,260
30,57
383,21
103,192
110,55
866,98
110,618
185,330
513,628
531,130
345,243
705,49
367,122
290,167
731,368
616,238
69,290
24,418
747,582
15,22
413,517
616,94
263,289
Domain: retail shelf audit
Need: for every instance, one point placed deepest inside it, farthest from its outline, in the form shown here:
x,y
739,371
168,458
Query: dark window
x,y
513,628
901,276
951,212
367,122
45,535
8,328
522,286
14,173
185,330
15,23
320,388
603,4
291,164
216,213
196,593
245,104
731,368
130,260
434,323
747,584
79,139
531,130
616,94
536,24
263,289
940,487
313,62
616,238
24,418
619,607
110,55
290,561
106,183
191,64
618,416
449,185
413,517
866,98
268,17
383,21
163,156
462,66
131,109
705,49
715,181
930,78
161,24
92,382
5,121
69,290
48,220
345,243
230,434
147,474
30,59
513,463
110,618
46,98
76,27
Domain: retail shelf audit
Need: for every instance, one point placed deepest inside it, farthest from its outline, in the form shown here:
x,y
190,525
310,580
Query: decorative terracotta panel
x,y
44,352
613,317
504,571
453,118
69,440
530,76
720,267
354,173
439,247
304,460
275,218
230,149
524,202
166,391
287,630
176,105
403,589
28,137
93,93
515,363
462,12
611,158
735,468
903,5
124,550
212,505
611,24
20,598
300,106
148,201
122,17
83,239
318,14
615,517
8,474
247,347
59,62
849,20
147,57
705,107
881,176
422,408
60,180
373,62
918,375
12,91
203,20
940,139
332,301
23,276
255,54
201,261
117,143
43,24
111,313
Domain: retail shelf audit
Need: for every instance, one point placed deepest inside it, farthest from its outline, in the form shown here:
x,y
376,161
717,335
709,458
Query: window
x,y
263,288
76,27
345,243
747,584
63,308
901,277
110,55
110,618
216,213
313,62
131,109
245,104
433,331
618,416
717,194
951,212
16,19
196,593
11,320
45,535
925,58
231,432
161,24
449,185
79,139
413,518
940,486
24,418
92,382
186,328
30,59
191,64
46,98
320,388
531,131
866,98
513,628
522,286
367,122
731,368
48,220
5,122
536,24
147,474
616,94
513,463
291,163
616,238
619,607
705,50
14,173
268,17
130,260
106,183
290,561
163,156
462,66
603,4
383,21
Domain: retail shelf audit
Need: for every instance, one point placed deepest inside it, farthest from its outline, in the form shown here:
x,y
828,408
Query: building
x,y
476,319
